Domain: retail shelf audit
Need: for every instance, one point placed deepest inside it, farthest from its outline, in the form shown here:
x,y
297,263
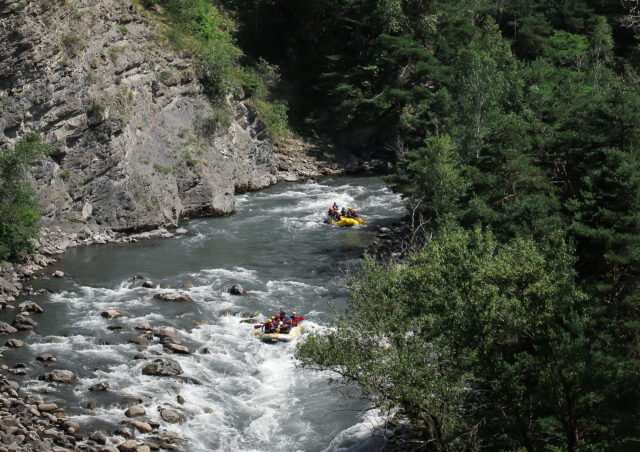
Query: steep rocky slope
x,y
135,143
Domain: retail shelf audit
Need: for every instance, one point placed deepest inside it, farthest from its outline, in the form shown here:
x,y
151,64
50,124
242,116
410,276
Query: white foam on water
x,y
364,429
252,396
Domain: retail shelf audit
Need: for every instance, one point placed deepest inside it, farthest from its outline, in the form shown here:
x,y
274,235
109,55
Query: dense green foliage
x,y
480,344
520,117
19,209
204,30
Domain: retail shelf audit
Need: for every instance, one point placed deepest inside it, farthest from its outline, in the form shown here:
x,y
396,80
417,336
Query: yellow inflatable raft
x,y
291,335
345,221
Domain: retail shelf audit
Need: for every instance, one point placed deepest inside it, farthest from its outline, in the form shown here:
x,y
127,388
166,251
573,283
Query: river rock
x,y
114,327
111,314
102,386
30,306
99,436
143,448
173,296
138,341
164,367
15,343
24,323
144,327
168,334
143,427
125,432
250,321
59,376
175,348
171,416
47,407
57,274
180,399
5,328
47,358
128,446
109,449
135,411
237,289
149,284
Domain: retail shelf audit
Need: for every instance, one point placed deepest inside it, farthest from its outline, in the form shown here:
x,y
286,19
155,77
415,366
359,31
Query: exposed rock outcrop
x,y
135,142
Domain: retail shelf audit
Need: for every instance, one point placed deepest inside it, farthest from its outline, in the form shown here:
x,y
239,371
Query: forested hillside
x,y
516,127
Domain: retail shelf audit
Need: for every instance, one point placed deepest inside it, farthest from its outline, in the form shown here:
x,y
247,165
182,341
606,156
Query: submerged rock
x,y
173,296
163,367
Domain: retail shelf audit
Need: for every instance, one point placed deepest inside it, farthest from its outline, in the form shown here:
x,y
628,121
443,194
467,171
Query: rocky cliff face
x,y
136,143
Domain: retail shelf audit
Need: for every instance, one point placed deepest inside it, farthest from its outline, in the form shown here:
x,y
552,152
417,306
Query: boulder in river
x,y
175,348
59,376
47,358
173,296
237,289
171,416
138,341
5,328
99,437
24,323
163,367
143,427
111,314
30,306
57,274
168,334
135,411
15,343
149,284
128,446
102,386
144,327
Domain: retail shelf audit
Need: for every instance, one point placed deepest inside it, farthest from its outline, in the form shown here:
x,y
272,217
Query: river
x,y
252,396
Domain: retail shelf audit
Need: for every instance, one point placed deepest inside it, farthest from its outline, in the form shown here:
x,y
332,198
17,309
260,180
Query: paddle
x,y
259,326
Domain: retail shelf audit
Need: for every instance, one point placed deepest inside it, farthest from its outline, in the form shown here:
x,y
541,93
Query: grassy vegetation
x,y
199,28
19,209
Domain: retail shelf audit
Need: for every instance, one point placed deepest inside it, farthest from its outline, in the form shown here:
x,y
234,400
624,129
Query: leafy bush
x,y
19,209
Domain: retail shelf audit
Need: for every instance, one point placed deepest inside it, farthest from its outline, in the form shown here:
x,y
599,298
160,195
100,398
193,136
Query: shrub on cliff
x,y
19,210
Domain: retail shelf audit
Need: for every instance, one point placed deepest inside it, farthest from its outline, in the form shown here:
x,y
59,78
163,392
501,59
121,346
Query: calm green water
x,y
252,395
